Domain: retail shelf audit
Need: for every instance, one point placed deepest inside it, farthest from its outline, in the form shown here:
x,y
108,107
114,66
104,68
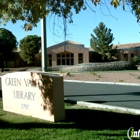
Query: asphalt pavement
x,y
119,95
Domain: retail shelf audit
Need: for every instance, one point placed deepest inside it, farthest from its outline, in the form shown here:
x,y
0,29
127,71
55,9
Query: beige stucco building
x,y
72,53
127,51
67,53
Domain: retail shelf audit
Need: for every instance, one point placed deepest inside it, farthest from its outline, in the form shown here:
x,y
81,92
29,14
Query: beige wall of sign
x,y
35,94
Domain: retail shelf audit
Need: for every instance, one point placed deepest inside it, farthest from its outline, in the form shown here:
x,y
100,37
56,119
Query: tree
x,y
101,42
136,60
29,48
32,11
8,44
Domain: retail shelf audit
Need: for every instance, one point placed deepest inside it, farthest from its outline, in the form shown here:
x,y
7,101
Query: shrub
x,y
108,66
135,60
56,68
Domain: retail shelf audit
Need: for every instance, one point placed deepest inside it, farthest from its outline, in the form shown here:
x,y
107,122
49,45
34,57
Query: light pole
x,y
43,44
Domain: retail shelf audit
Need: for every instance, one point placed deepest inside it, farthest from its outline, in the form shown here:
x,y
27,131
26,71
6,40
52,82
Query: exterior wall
x,y
71,49
137,52
128,54
14,64
20,63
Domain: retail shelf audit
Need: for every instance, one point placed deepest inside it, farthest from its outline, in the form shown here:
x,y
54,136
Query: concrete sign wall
x,y
35,94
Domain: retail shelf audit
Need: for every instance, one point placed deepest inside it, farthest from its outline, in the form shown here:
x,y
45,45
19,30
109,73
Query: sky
x,y
123,24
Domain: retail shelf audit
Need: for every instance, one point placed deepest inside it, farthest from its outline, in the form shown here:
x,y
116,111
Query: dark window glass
x,y
72,61
58,62
63,61
72,55
132,55
50,56
63,55
67,55
125,55
80,60
80,55
58,55
68,62
50,62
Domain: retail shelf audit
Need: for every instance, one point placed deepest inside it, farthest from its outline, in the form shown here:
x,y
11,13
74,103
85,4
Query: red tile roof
x,y
130,45
123,46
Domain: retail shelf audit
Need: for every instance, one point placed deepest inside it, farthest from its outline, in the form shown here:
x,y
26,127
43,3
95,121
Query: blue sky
x,y
124,26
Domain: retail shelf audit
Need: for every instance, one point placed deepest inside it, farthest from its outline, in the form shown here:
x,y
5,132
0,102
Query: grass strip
x,y
80,124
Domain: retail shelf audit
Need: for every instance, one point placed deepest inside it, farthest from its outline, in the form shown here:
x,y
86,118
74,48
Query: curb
x,y
109,108
112,83
106,107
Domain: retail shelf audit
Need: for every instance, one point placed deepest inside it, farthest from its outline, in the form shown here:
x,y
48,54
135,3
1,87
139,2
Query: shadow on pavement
x,y
108,94
102,102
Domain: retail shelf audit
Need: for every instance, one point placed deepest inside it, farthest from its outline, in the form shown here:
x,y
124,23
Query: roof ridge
x,y
73,42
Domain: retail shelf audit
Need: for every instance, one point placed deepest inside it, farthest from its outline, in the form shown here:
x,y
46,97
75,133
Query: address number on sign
x,y
24,106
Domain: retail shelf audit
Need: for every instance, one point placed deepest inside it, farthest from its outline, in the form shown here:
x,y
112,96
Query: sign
x,y
36,94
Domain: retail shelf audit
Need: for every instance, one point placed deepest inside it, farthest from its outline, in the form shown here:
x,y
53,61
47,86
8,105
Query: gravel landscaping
x,y
116,76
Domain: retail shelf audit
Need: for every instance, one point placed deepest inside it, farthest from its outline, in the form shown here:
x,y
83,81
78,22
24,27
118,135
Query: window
x,y
67,55
65,59
132,55
68,62
63,55
58,55
49,59
50,56
125,55
80,57
72,61
58,62
50,62
72,55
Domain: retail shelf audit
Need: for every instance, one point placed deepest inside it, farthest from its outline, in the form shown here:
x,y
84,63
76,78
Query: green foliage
x,y
32,11
135,60
135,6
29,48
101,42
76,126
8,44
